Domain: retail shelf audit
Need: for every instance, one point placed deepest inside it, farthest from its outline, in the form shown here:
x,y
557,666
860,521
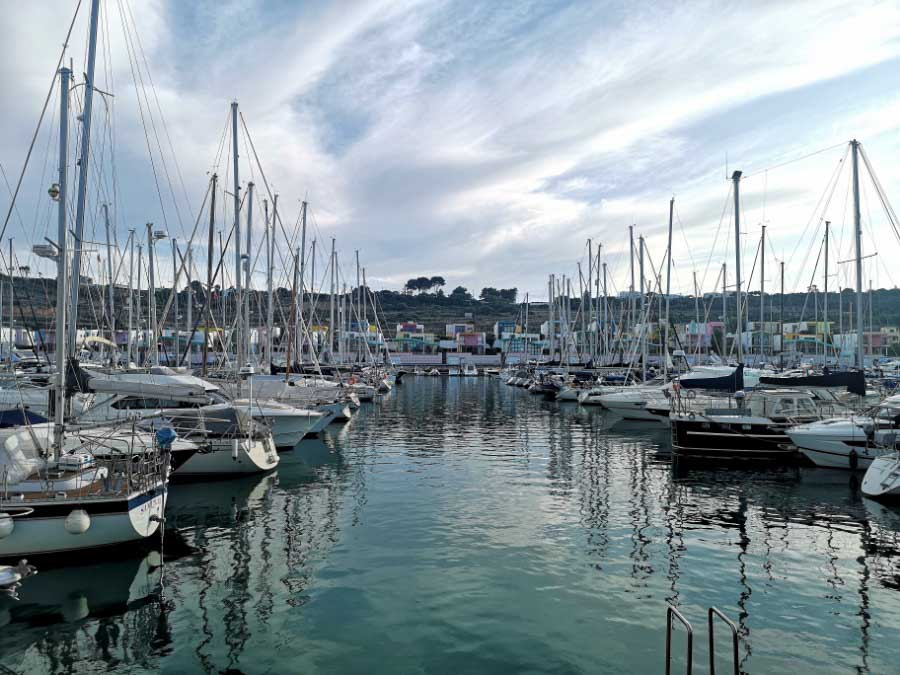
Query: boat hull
x,y
218,458
882,479
730,439
112,521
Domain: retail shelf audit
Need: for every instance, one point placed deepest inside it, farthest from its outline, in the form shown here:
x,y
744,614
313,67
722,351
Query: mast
x,y
825,303
590,299
129,355
12,339
83,162
781,320
550,301
762,295
109,271
151,299
175,345
140,316
290,342
247,263
358,304
668,285
299,333
605,333
857,227
631,302
331,306
238,318
209,273
190,304
643,314
736,179
725,311
270,288
58,393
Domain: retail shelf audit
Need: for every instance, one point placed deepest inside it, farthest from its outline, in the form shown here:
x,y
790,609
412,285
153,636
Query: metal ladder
x,y
712,614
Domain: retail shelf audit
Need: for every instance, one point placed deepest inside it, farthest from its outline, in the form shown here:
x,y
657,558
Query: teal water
x,y
467,527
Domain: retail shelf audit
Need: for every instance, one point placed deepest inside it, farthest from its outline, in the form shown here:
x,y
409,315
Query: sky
x,y
484,142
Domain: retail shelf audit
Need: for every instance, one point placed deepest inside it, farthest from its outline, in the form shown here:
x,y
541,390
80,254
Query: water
x,y
465,526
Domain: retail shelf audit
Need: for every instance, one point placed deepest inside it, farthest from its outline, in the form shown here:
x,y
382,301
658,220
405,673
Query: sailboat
x,y
65,497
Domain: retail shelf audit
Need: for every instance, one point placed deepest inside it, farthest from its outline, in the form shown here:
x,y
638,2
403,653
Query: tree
x,y
459,293
489,294
437,282
509,294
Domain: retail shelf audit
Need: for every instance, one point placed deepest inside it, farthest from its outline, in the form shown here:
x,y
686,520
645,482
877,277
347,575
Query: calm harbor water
x,y
462,526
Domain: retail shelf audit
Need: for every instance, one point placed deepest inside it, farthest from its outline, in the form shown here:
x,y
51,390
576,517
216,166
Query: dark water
x,y
467,527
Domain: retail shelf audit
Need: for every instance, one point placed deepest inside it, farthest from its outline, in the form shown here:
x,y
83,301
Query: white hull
x,y
252,456
883,477
38,536
341,411
831,443
288,424
320,424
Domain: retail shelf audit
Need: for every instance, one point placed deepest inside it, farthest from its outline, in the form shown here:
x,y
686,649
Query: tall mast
x,y
175,341
209,273
247,263
781,320
631,298
762,294
550,301
83,162
643,314
238,319
668,285
140,315
190,304
290,342
151,298
61,260
736,179
725,311
331,306
601,332
857,227
270,262
129,355
825,303
605,332
109,272
358,304
589,315
299,332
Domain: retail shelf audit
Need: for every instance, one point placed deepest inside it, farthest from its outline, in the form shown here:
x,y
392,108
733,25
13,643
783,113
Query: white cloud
x,y
491,140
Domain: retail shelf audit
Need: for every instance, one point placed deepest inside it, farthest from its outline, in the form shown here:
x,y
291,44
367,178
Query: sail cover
x,y
728,381
853,380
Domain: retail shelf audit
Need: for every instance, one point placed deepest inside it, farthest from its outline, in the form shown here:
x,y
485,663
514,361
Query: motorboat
x,y
882,479
752,425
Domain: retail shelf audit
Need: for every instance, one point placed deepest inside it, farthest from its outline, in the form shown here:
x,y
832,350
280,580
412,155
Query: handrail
x,y
714,612
670,612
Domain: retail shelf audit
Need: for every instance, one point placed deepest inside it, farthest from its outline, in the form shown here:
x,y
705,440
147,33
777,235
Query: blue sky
x,y
485,141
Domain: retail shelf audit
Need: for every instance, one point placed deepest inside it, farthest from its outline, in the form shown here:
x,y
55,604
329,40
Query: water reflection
x,y
459,523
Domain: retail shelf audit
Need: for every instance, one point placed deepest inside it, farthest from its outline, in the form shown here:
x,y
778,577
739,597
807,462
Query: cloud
x,y
486,141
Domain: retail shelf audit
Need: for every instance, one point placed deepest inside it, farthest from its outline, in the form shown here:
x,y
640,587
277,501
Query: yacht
x,y
852,442
752,426
882,479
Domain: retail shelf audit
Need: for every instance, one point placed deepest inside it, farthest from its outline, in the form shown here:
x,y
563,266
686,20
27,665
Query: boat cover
x,y
733,381
854,380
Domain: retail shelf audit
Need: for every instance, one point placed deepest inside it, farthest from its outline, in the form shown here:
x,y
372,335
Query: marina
x,y
234,440
461,523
